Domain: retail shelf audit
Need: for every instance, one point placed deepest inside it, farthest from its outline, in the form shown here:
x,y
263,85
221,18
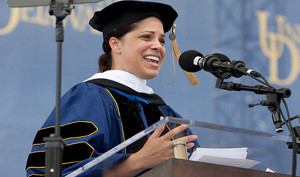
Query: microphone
x,y
193,61
218,64
239,67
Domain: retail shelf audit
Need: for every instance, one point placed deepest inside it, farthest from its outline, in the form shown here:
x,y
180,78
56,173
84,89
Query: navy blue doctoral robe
x,y
91,125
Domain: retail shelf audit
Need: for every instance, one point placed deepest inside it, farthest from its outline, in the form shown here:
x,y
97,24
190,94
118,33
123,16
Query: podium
x,y
267,148
180,168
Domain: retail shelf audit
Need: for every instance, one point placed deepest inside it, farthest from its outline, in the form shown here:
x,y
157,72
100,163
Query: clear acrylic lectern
x,y
270,150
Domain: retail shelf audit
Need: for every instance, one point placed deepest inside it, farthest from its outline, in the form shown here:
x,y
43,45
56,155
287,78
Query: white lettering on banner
x,y
12,22
40,16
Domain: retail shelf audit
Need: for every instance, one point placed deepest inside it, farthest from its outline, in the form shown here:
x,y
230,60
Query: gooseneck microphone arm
x,y
258,89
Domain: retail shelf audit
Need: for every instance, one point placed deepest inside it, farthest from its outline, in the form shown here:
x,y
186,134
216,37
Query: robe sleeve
x,y
90,126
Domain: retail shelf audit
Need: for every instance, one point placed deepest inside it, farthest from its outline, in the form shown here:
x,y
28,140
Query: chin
x,y
149,76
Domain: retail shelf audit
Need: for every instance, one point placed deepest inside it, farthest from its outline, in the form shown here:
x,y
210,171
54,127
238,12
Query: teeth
x,y
152,58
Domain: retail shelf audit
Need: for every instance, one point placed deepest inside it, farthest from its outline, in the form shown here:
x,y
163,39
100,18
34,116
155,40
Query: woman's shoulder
x,y
85,86
86,91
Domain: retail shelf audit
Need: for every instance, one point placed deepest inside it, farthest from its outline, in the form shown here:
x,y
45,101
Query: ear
x,y
115,45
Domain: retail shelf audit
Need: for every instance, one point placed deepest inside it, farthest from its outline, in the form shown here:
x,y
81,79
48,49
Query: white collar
x,y
124,78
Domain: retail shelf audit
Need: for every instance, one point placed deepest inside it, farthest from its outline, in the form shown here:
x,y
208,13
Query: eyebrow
x,y
152,32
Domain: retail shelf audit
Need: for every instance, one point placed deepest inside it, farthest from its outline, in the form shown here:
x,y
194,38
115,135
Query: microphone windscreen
x,y
186,61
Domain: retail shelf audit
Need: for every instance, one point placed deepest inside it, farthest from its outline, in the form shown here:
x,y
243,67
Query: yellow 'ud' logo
x,y
273,45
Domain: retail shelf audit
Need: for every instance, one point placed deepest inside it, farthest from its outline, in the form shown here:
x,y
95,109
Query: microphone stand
x,y
274,96
55,143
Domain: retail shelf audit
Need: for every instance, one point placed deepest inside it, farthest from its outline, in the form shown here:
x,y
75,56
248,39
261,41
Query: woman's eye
x,y
162,41
146,37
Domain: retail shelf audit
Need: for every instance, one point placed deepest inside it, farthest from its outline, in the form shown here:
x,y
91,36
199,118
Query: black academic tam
x,y
122,13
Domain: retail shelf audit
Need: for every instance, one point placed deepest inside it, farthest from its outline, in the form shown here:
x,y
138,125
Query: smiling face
x,y
141,51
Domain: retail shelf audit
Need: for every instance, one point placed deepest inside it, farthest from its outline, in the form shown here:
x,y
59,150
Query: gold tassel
x,y
192,78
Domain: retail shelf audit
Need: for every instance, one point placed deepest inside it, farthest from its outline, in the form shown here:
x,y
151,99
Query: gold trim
x,y
36,175
119,115
93,150
115,101
70,137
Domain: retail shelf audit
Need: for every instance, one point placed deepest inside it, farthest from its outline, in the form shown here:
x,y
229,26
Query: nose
x,y
157,45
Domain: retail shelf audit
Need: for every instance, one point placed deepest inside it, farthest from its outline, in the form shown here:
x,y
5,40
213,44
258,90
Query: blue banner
x,y
264,34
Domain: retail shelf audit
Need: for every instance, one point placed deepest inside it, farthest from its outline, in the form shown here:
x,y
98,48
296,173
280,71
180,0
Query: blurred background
x,y
265,34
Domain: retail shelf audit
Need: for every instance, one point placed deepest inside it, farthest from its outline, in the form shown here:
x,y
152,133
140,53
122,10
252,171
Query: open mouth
x,y
151,59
